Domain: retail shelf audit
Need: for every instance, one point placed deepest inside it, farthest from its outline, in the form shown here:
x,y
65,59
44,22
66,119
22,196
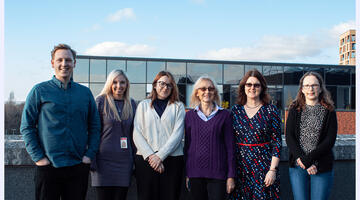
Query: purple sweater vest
x,y
209,146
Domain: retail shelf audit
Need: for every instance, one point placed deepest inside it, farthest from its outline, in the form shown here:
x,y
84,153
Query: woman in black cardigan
x,y
311,129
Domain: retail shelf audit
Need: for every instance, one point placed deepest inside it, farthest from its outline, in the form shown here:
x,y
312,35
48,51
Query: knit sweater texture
x,y
209,146
159,135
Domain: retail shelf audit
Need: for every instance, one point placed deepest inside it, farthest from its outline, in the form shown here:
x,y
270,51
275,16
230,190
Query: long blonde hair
x,y
194,100
109,104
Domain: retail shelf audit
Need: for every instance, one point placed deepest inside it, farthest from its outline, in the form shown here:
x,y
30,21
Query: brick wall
x,y
346,122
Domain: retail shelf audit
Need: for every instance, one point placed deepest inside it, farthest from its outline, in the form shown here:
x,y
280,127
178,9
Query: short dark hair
x,y
264,96
63,46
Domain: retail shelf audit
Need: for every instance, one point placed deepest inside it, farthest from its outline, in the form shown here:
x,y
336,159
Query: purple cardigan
x,y
209,146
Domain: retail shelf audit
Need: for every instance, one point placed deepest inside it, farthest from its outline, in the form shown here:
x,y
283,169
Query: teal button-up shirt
x,y
60,124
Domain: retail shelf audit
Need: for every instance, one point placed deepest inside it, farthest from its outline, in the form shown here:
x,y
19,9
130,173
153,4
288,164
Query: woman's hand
x,y
187,183
161,168
230,185
300,163
270,178
312,170
154,161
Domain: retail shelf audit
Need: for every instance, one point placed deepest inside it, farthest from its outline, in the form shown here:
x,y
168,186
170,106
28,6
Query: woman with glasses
x,y
209,144
311,130
112,168
158,133
258,136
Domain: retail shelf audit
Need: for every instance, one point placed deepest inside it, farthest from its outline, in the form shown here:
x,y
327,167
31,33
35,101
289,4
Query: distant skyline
x,y
266,30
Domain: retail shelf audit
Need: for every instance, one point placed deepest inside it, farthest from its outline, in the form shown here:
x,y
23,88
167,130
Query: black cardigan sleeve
x,y
290,136
328,142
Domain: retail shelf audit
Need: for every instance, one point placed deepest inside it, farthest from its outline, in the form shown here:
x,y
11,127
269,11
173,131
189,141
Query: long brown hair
x,y
174,95
264,96
324,96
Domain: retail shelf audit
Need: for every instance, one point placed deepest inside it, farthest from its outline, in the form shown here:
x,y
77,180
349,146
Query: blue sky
x,y
264,30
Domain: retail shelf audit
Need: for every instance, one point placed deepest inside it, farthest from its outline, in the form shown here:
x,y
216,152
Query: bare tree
x,y
13,113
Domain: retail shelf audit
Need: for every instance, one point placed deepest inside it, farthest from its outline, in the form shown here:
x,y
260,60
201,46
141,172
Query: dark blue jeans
x,y
310,187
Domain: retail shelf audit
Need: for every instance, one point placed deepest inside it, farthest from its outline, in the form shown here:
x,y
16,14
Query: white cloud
x,y
341,28
126,13
269,48
120,49
275,48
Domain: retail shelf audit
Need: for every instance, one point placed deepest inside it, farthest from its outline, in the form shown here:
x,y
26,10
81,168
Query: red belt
x,y
252,145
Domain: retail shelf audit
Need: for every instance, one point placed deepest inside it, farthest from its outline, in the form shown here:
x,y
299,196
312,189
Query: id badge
x,y
123,142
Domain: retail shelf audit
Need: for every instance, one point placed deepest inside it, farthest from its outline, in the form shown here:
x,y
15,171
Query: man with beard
x,y
61,129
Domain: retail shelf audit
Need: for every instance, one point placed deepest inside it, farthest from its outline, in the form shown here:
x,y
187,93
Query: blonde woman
x,y
209,144
112,168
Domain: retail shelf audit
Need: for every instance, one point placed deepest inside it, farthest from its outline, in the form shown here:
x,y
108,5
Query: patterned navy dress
x,y
258,139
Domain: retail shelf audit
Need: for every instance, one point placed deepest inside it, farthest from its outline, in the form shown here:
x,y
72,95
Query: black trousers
x,y
69,183
207,189
152,185
111,193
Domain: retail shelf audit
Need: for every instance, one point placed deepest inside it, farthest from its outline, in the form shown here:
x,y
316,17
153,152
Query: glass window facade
x,y
97,70
282,78
178,70
115,64
195,70
152,69
81,70
233,74
136,71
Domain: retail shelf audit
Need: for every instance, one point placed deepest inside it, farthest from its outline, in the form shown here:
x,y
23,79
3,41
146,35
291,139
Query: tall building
x,y
347,45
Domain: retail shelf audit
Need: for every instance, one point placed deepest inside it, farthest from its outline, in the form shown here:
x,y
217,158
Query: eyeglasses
x,y
210,89
313,86
256,85
162,84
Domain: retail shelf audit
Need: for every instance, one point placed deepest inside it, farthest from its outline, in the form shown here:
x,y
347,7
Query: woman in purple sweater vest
x,y
209,144
112,168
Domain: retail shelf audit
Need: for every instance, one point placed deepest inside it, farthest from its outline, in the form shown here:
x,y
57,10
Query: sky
x,y
263,30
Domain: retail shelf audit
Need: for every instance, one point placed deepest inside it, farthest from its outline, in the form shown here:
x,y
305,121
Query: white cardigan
x,y
162,135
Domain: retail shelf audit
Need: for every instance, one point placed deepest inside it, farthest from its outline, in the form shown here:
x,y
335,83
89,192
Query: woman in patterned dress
x,y
311,129
258,135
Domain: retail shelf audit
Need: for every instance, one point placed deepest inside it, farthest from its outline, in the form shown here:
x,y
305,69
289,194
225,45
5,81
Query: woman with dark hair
x,y
258,135
311,129
112,168
158,134
209,144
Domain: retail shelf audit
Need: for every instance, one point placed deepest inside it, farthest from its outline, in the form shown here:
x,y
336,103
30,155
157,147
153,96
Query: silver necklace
x,y
252,107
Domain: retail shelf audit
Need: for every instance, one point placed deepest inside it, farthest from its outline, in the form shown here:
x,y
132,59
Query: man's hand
x,y
44,161
86,160
230,185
